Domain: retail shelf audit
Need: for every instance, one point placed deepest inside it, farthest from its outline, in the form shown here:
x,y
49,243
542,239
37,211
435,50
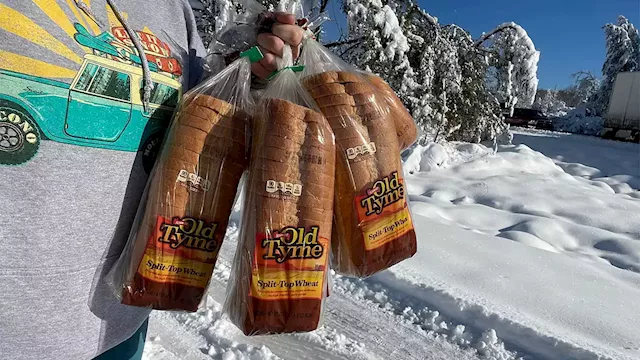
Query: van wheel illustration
x,y
150,151
19,135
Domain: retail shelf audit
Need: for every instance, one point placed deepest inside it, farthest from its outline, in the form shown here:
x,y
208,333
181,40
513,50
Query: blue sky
x,y
568,33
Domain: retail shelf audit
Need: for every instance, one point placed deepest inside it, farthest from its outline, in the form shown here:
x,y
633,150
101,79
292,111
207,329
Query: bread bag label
x,y
192,181
274,186
289,264
364,149
383,214
181,251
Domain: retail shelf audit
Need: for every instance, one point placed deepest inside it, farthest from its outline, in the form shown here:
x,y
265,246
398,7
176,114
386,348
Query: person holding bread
x,y
77,105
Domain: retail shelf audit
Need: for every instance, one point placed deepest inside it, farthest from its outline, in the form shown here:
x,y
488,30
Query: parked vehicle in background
x,y
528,118
622,120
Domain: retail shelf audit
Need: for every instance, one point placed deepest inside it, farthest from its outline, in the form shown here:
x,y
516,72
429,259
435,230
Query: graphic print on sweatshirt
x,y
86,89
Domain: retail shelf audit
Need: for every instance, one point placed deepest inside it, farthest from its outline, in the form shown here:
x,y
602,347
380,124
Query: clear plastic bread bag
x,y
406,128
372,228
179,228
279,279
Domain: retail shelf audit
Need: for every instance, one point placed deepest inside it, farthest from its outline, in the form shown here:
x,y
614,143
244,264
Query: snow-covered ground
x,y
613,162
520,255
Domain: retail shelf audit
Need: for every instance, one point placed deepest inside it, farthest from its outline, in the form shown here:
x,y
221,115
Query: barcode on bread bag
x,y
284,187
353,152
197,181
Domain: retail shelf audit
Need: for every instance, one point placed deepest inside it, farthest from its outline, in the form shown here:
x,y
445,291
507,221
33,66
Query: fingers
x,y
271,43
268,61
265,67
295,51
283,32
290,34
260,71
285,18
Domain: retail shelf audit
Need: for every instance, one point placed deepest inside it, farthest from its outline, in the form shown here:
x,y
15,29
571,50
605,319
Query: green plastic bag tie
x,y
294,68
254,54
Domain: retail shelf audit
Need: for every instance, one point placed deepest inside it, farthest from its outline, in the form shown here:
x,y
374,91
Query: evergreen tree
x,y
376,41
584,87
440,77
515,59
623,54
548,102
206,13
477,109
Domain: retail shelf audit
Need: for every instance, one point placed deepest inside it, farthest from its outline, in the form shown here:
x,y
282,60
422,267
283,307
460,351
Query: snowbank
x,y
548,305
435,156
530,247
521,195
615,163
578,121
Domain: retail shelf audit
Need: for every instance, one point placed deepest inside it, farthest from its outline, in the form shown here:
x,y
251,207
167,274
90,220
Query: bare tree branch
x,y
499,29
348,49
323,5
342,42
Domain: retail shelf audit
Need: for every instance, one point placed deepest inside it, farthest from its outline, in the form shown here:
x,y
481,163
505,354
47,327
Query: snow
x,y
522,195
610,162
392,31
426,158
529,252
549,305
578,121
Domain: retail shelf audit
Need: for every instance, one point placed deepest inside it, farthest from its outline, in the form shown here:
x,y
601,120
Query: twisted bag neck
x,y
286,60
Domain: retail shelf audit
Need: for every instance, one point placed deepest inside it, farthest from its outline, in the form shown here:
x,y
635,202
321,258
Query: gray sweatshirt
x,y
78,134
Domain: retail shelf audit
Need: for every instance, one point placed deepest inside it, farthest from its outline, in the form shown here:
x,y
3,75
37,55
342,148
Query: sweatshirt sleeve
x,y
197,52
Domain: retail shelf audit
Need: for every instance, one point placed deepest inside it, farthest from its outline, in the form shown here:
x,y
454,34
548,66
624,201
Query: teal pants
x,y
130,349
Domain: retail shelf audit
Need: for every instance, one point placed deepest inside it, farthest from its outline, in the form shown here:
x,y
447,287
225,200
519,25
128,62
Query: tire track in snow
x,y
433,310
353,329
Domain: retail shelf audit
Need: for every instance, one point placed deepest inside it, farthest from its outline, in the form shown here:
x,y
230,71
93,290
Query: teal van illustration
x,y
101,108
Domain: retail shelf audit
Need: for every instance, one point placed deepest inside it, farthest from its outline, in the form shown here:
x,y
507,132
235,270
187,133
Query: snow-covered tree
x,y
548,102
515,59
212,16
477,109
206,12
623,54
585,86
376,41
440,77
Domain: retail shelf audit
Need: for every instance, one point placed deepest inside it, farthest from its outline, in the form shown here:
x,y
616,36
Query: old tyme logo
x,y
383,193
190,233
292,243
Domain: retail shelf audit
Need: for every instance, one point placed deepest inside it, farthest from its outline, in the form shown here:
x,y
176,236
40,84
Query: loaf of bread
x,y
279,281
405,125
372,227
190,197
